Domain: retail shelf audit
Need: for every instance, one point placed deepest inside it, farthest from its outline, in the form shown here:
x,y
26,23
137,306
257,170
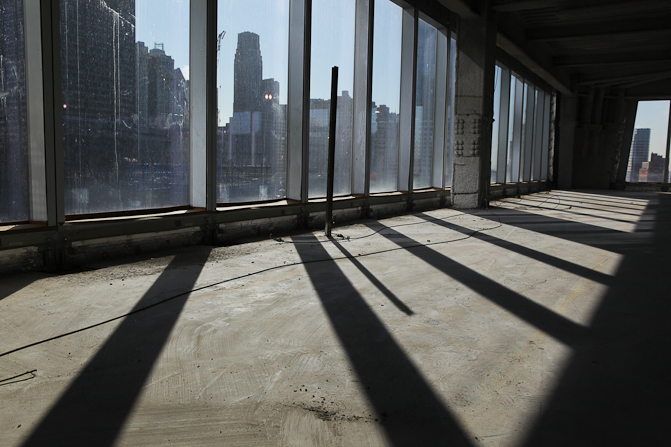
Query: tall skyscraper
x,y
248,70
252,145
640,150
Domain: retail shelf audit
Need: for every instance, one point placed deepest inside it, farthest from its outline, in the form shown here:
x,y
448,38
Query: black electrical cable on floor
x,y
247,275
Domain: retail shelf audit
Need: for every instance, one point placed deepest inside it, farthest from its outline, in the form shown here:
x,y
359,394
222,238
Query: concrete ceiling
x,y
577,44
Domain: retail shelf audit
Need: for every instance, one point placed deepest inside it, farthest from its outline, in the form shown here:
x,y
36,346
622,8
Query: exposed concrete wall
x,y
565,140
598,139
476,59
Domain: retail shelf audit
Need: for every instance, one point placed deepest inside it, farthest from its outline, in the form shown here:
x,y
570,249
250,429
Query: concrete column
x,y
565,141
476,58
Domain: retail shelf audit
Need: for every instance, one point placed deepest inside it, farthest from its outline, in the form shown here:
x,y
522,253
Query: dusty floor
x,y
542,321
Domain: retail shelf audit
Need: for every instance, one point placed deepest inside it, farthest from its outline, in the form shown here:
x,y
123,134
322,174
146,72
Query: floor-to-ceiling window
x,y
387,33
332,45
521,129
252,70
125,71
425,103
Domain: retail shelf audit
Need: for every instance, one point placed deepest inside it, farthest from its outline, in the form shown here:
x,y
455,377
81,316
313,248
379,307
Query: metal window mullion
x,y
53,111
517,131
451,100
198,105
298,99
362,96
35,111
407,104
545,148
538,135
504,126
440,114
528,132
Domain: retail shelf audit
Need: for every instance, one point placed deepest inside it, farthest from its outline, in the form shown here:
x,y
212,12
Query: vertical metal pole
x,y
668,150
332,138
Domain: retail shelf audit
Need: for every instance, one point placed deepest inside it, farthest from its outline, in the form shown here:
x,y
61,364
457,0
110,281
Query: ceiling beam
x,y
586,60
633,79
612,9
619,28
524,5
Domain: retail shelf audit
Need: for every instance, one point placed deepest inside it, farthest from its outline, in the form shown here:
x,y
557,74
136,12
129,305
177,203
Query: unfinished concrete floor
x,y
542,321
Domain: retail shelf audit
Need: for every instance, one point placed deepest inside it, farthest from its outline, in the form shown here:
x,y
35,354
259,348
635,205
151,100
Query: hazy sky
x,y
655,116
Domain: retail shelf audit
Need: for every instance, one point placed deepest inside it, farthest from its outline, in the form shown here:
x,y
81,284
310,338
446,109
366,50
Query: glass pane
x,y
125,104
495,124
648,148
332,45
252,69
450,111
14,204
386,96
516,128
425,100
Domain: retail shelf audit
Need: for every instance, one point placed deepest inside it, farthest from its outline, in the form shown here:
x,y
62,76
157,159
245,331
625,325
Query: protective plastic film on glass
x,y
125,67
14,171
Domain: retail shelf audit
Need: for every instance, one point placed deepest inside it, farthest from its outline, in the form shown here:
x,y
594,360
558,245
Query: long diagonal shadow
x,y
94,408
411,413
545,258
546,320
368,274
615,390
582,233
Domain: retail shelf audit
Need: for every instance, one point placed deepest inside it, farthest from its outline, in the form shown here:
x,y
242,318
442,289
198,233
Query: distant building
x,y
251,146
652,171
640,150
384,150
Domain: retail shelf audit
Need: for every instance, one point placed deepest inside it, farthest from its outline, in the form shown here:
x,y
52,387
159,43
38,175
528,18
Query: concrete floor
x,y
542,321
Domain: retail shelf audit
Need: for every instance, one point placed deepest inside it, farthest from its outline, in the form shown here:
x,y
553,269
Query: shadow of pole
x,y
411,413
550,322
381,287
95,406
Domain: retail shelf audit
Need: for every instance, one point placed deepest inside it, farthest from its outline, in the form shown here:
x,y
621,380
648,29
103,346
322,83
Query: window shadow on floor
x,y
591,235
530,253
552,323
95,406
409,410
615,390
10,284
